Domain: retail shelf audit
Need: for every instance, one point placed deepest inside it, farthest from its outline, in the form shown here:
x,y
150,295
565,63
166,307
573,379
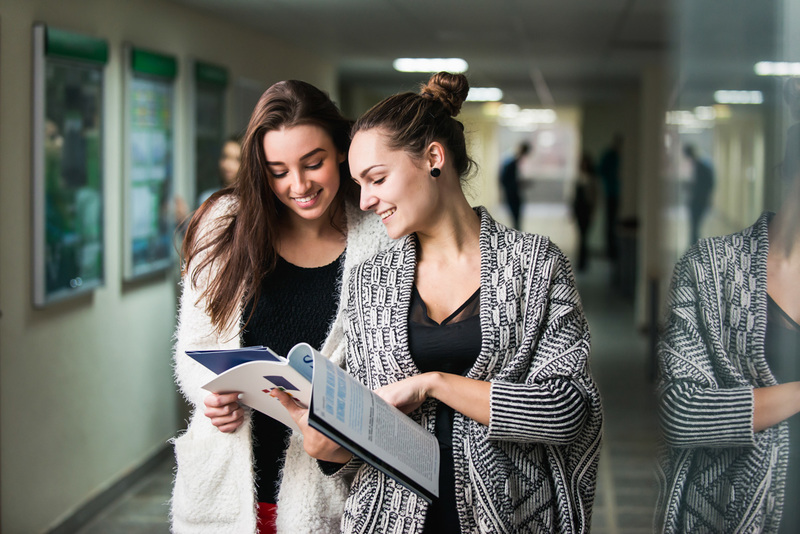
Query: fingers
x,y
296,411
224,411
218,400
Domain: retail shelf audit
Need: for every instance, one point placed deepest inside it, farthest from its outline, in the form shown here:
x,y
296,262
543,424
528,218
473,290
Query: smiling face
x,y
394,185
303,169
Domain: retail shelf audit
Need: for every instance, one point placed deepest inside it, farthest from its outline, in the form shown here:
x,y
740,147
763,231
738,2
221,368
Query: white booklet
x,y
340,407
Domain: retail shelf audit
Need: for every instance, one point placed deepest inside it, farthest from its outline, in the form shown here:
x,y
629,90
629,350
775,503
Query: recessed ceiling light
x,y
484,94
777,68
738,97
410,64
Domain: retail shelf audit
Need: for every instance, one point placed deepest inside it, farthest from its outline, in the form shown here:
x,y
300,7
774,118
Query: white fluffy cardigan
x,y
214,487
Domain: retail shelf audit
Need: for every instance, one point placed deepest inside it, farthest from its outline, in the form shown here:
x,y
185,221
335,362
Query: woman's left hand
x,y
407,394
465,395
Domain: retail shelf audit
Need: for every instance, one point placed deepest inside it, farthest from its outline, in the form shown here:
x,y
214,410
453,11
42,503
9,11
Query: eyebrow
x,y
306,156
366,171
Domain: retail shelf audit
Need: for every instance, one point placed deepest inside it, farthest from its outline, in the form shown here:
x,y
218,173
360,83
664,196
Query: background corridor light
x,y
777,68
738,97
408,64
484,94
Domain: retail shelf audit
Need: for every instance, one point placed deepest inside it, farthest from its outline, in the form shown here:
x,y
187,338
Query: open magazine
x,y
340,407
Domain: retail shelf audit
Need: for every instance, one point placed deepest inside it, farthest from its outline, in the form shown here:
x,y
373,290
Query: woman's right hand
x,y
224,411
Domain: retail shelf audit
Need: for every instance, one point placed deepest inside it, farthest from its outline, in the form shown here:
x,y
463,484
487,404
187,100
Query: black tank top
x,y
296,305
451,346
782,350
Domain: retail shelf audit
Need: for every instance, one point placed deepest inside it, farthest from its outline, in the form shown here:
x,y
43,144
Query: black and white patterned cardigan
x,y
533,469
717,475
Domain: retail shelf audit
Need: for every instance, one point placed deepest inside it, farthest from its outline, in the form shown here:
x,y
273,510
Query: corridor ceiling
x,y
539,52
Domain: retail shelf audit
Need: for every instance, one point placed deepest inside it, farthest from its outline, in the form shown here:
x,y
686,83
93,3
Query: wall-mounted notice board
x,y
68,252
210,88
149,156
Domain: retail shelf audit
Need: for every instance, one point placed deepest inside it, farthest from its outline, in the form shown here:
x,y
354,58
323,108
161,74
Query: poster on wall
x,y
68,253
210,89
149,163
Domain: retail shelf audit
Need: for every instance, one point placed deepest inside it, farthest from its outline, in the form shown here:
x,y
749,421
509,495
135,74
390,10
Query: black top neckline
x,y
450,317
787,321
286,262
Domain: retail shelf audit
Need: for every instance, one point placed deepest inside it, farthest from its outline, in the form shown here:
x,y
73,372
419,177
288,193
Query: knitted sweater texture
x,y
533,469
214,487
716,474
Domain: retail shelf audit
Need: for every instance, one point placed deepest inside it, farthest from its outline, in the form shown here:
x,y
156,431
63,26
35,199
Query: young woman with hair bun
x,y
264,261
489,346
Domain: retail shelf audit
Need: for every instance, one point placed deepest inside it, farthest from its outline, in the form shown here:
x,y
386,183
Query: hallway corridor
x,y
626,491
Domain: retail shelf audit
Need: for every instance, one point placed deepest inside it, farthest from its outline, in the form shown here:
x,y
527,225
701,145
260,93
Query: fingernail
x,y
240,396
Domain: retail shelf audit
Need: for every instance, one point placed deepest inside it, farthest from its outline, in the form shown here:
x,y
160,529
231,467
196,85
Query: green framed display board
x,y
68,252
149,155
210,87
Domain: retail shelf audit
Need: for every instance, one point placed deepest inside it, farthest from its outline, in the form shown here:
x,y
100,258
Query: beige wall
x,y
86,391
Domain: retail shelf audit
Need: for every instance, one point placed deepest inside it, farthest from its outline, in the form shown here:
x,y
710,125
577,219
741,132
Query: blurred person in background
x,y
609,171
584,200
509,181
229,160
701,186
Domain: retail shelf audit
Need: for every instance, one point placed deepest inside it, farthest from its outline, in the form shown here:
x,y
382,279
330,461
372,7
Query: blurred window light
x,y
777,68
700,119
546,139
514,118
508,111
705,113
409,64
738,97
484,94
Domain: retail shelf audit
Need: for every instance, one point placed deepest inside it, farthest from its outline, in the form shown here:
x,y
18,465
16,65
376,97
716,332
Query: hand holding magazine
x,y
340,407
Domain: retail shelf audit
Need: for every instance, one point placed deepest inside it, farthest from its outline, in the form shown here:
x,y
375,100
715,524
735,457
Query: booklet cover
x,y
340,407
255,371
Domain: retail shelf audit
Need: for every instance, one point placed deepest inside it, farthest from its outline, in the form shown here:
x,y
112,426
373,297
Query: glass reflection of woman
x,y
264,261
729,382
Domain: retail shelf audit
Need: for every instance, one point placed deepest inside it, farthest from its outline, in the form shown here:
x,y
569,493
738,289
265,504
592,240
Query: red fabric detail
x,y
266,518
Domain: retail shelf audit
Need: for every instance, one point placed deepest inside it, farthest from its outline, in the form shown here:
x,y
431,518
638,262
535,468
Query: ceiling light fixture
x,y
738,97
485,94
777,68
409,64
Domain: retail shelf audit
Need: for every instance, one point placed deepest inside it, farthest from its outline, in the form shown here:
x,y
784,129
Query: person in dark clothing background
x,y
701,186
609,172
583,204
509,180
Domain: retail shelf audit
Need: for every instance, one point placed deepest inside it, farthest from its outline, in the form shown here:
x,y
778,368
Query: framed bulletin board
x,y
68,252
210,88
149,156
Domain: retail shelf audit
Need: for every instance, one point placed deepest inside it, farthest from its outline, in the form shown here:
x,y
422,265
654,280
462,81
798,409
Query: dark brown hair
x,y
413,121
243,247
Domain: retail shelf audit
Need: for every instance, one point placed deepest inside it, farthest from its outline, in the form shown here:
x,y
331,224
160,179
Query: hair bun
x,y
449,89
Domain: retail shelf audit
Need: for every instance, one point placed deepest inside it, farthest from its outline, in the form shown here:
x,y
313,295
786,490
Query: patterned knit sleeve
x,y
553,402
694,410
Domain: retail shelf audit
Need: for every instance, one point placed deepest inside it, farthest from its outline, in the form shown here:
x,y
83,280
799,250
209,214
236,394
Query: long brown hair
x,y
243,246
413,121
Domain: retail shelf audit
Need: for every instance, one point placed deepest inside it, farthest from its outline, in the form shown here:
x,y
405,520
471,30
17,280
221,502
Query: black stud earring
x,y
435,172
